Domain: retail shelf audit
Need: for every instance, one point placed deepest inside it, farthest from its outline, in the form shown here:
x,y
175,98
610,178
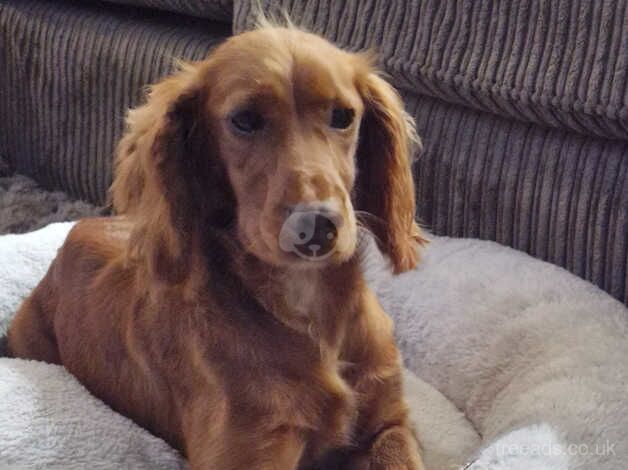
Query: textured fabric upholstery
x,y
218,10
560,196
522,107
69,72
559,63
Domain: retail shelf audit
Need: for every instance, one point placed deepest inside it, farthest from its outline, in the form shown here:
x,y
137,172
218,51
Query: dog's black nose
x,y
315,232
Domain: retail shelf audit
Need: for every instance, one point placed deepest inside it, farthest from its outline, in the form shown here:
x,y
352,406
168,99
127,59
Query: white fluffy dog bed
x,y
534,357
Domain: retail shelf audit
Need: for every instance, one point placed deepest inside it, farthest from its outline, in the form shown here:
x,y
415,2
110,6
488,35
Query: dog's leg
x,y
237,448
385,439
30,334
394,446
393,449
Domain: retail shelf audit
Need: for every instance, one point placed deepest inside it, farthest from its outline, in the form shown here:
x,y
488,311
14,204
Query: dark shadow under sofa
x,y
522,105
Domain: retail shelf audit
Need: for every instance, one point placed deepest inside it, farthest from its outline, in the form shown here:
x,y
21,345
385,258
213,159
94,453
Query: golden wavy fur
x,y
188,314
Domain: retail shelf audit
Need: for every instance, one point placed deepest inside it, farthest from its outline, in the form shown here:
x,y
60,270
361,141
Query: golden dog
x,y
225,310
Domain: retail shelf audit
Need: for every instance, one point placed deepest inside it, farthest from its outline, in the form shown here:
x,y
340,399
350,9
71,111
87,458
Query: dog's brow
x,y
315,86
263,96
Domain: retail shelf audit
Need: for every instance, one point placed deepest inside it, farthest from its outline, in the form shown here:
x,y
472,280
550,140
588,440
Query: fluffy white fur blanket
x,y
532,355
535,357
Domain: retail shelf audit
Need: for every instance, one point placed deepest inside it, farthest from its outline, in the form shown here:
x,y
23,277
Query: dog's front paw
x,y
395,449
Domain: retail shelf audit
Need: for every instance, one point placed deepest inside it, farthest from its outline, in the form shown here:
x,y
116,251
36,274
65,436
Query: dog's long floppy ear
x,y
171,182
385,187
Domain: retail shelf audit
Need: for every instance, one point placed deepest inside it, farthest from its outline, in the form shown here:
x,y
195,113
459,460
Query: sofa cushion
x,y
558,195
217,10
73,70
559,63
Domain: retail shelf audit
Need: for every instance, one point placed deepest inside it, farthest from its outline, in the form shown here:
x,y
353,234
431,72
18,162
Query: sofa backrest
x,y
215,10
69,72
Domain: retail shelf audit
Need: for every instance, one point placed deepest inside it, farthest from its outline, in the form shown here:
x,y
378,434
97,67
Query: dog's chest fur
x,y
320,309
292,359
314,308
303,291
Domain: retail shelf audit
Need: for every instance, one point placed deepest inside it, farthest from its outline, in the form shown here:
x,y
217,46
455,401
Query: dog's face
x,y
287,122
291,135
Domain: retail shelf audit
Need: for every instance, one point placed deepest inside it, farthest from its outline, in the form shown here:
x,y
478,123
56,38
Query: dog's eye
x,y
341,118
247,121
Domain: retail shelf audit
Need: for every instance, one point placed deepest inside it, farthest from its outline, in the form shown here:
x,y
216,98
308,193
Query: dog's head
x,y
281,135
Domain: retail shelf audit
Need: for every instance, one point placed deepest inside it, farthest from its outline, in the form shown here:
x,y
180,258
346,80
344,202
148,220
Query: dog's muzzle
x,y
310,231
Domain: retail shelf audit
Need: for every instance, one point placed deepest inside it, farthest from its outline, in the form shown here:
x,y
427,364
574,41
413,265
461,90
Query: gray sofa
x,y
522,104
